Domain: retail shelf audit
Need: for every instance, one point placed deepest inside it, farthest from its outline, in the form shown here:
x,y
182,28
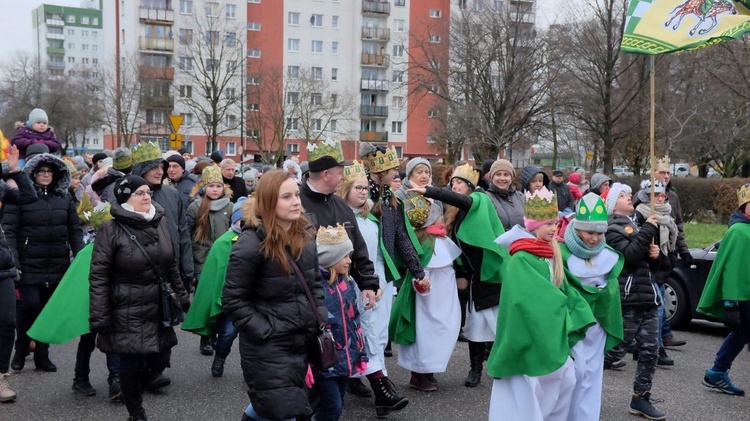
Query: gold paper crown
x,y
381,161
332,235
354,172
541,205
146,151
420,212
211,174
467,173
743,195
329,147
662,162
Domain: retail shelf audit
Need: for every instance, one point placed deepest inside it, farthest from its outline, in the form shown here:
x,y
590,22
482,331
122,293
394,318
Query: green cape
x,y
391,272
480,228
536,320
206,306
66,315
604,303
727,279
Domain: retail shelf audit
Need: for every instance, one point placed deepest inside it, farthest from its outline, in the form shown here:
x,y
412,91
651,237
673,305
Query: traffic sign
x,y
175,141
176,121
589,155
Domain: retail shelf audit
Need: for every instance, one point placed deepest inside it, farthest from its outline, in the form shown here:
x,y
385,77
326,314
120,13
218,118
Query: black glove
x,y
687,257
732,317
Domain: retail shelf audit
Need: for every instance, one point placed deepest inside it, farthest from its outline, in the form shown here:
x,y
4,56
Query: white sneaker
x,y
6,394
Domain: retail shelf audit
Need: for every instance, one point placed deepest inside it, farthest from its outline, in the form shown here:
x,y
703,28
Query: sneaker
x,y
614,365
720,380
641,405
217,367
357,388
670,341
6,394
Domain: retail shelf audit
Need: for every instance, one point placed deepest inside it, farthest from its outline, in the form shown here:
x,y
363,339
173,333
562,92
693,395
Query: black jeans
x,y
7,322
135,369
32,300
86,346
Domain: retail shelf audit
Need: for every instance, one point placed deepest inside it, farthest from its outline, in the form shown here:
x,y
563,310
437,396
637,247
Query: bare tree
x,y
129,97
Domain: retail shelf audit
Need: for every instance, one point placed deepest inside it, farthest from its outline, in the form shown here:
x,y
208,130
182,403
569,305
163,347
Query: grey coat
x,y
169,199
219,221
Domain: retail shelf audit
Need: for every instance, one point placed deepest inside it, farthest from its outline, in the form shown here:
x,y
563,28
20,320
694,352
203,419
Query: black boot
x,y
357,388
640,404
19,360
476,359
217,367
82,386
132,394
664,358
43,363
140,416
115,391
206,347
156,381
386,397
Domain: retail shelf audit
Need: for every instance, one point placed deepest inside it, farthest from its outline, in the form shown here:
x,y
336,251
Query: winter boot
x,y
6,394
476,358
115,390
82,387
139,416
420,381
431,378
19,360
217,367
386,397
156,381
43,363
206,347
357,388
640,404
664,358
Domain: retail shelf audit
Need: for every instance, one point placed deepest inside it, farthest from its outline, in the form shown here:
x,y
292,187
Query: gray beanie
x,y
37,115
250,175
333,245
413,164
597,180
82,166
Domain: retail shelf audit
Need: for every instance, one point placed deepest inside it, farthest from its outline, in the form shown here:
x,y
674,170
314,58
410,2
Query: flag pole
x,y
651,128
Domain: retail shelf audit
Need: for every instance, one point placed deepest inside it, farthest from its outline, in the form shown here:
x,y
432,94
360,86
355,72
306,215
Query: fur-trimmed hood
x,y
60,178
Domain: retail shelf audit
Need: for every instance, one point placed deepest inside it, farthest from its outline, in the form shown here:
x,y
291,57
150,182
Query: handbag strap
x,y
143,250
310,298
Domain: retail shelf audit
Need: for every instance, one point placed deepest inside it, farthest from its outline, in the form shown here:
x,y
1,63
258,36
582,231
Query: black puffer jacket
x,y
637,285
23,195
43,233
124,293
276,323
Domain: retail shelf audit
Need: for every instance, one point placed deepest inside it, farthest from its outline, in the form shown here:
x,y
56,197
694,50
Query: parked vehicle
x,y
712,173
622,172
680,169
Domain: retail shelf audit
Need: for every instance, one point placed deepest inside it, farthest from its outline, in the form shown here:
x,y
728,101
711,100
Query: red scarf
x,y
534,246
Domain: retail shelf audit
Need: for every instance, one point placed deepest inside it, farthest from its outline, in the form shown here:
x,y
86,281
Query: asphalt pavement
x,y
195,395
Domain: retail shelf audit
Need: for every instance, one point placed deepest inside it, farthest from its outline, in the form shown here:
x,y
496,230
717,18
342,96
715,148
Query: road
x,y
195,395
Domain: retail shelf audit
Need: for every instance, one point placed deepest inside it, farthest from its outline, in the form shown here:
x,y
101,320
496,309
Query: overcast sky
x,y
17,34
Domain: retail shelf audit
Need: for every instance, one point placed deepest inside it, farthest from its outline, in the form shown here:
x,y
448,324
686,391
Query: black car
x,y
685,286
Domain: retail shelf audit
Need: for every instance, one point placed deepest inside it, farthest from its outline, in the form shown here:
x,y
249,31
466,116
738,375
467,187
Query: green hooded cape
x,y
206,306
480,228
66,315
604,303
536,320
727,279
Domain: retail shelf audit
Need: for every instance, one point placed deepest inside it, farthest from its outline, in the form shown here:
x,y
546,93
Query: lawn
x,y
701,235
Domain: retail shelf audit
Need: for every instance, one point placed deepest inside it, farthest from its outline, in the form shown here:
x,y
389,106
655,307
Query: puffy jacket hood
x,y
738,217
529,172
61,176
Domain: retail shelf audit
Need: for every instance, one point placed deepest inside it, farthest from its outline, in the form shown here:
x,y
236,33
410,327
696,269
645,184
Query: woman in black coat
x,y
124,289
267,301
41,234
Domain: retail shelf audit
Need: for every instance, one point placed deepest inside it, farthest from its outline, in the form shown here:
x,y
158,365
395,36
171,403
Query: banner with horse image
x,y
666,26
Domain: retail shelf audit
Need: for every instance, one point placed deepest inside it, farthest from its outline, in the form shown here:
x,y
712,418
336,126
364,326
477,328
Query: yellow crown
x,y
329,147
211,174
743,195
331,235
382,160
541,205
146,151
662,162
419,214
467,173
353,172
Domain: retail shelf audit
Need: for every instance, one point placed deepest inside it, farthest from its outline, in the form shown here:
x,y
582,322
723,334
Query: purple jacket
x,y
24,137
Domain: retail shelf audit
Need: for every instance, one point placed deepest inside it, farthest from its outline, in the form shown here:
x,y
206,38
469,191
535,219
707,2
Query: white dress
x,y
438,314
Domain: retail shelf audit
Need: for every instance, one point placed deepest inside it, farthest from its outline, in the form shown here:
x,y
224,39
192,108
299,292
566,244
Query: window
x,y
231,11
293,18
211,37
398,76
334,73
435,13
231,93
430,139
231,146
496,5
478,6
433,114
85,20
334,47
399,25
316,98
333,125
94,34
211,65
187,119
434,89
155,117
253,53
84,47
186,91
292,123
292,97
231,39
397,127
84,33
292,148
316,124
253,80
212,9
95,21
186,63
71,31
334,99
317,47
94,47
254,132
292,45
317,73
71,46
399,3
253,26
399,151
335,22
155,60
230,121
71,59
435,39
254,1
85,60
158,31
94,61
253,107
316,20
398,51
397,102
186,6
71,19
292,71
185,36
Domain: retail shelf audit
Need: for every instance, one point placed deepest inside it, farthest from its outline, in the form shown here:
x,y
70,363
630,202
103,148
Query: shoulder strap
x,y
310,298
143,250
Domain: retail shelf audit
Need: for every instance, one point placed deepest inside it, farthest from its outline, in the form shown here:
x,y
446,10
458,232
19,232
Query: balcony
x,y
156,15
53,50
162,102
157,44
379,60
373,111
376,7
373,136
55,22
377,34
375,85
55,64
522,17
55,36
150,72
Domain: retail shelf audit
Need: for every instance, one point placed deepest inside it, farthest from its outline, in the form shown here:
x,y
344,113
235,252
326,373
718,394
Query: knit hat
x,y
575,178
82,166
487,166
37,115
78,159
250,175
146,155
72,169
611,196
123,160
597,180
189,165
107,162
237,209
97,157
217,156
502,165
182,151
333,245
126,186
541,208
413,164
591,214
178,159
36,149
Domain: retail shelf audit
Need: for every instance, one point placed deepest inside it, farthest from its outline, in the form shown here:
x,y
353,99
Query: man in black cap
x,y
180,179
565,202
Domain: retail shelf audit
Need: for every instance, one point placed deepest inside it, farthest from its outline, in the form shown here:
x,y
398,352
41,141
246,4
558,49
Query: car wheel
x,y
676,304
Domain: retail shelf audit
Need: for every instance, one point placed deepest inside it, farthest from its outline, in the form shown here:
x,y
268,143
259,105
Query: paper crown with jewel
x,y
466,173
354,172
333,244
418,214
325,155
378,160
743,195
591,214
662,162
541,205
146,151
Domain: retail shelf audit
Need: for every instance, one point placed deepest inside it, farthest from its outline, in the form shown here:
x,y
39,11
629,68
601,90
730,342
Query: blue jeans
x,y
331,392
250,412
226,335
665,331
734,342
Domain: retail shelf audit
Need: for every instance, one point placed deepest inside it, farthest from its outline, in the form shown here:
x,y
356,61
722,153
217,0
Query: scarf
x,y
146,215
534,246
667,226
379,191
578,247
506,194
